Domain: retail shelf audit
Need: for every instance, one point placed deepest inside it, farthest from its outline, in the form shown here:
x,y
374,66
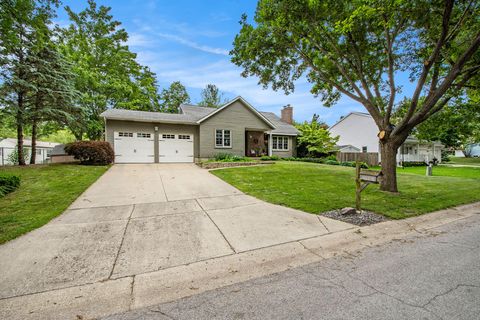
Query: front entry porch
x,y
256,143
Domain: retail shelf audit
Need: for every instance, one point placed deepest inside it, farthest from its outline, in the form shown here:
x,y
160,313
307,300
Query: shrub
x,y
91,152
414,164
267,158
228,157
331,157
8,183
332,162
353,164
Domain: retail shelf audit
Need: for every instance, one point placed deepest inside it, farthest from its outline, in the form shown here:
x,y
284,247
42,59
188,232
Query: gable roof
x,y
248,105
12,142
194,115
363,114
281,127
149,116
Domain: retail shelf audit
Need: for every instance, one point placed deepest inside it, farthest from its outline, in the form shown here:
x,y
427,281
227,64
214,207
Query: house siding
x,y
237,118
358,131
120,125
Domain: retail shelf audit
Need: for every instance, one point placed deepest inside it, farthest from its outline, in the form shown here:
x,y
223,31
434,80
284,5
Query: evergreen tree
x,y
211,97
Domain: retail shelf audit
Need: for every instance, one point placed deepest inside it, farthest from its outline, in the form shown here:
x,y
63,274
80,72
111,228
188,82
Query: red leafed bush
x,y
91,152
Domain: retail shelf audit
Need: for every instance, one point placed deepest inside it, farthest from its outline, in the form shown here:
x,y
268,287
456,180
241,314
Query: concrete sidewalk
x,y
139,223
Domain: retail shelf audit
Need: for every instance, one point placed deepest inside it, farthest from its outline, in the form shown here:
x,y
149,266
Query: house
x,y
8,146
359,130
199,133
58,155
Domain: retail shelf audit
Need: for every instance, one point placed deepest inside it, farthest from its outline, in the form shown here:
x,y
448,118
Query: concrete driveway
x,y
138,219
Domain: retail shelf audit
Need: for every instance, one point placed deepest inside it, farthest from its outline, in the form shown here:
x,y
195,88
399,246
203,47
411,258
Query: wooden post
x,y
358,188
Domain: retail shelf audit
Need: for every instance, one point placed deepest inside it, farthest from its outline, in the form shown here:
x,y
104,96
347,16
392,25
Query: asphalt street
x,y
433,275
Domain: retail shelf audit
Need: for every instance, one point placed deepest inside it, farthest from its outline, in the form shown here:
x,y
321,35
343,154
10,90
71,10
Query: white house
x,y
8,145
358,129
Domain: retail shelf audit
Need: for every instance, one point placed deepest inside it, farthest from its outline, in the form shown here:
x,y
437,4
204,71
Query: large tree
x,y
359,49
24,32
211,97
106,72
172,97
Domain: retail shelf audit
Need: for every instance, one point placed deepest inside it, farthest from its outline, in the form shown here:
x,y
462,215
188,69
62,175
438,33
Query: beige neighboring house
x,y
199,133
358,130
8,145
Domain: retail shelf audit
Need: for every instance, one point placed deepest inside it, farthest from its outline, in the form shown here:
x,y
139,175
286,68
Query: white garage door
x,y
175,147
134,147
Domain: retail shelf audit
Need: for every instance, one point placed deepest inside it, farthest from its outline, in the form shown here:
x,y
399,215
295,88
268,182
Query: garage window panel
x,y
126,134
223,138
143,135
168,136
184,136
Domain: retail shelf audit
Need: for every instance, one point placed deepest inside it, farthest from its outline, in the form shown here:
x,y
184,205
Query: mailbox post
x,y
367,177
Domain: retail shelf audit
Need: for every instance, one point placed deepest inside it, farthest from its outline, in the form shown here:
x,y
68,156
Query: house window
x,y
222,138
143,135
364,149
279,143
125,134
39,152
168,136
184,136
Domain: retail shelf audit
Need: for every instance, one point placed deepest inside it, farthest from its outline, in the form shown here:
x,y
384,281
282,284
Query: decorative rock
x,y
347,211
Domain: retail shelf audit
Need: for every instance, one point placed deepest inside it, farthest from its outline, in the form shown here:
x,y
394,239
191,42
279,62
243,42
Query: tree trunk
x,y
19,118
33,156
389,166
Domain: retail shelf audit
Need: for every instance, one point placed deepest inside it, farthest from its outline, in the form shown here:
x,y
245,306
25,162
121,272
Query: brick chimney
x,y
287,114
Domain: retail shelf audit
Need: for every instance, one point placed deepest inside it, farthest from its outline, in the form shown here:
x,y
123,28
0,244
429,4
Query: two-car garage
x,y
139,147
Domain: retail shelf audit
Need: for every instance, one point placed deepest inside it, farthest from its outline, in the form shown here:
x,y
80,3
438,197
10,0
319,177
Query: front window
x,y
364,149
223,138
279,143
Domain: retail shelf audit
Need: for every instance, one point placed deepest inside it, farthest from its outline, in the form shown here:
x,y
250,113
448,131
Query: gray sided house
x,y
199,133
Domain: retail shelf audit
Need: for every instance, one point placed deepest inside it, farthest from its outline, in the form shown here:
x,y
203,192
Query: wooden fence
x,y
371,158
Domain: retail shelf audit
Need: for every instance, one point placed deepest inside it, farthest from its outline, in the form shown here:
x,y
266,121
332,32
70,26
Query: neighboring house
x,y
346,148
58,155
43,150
359,130
199,133
472,150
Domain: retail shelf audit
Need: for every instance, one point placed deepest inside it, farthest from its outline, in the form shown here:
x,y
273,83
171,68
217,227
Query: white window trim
x,y
223,140
283,137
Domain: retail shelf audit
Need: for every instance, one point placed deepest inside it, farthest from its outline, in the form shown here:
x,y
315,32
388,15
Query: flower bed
x,y
217,165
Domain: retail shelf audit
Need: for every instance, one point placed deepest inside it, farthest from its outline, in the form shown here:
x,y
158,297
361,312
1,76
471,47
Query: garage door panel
x,y
175,147
134,147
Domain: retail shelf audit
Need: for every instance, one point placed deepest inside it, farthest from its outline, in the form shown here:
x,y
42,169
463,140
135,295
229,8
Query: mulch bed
x,y
364,218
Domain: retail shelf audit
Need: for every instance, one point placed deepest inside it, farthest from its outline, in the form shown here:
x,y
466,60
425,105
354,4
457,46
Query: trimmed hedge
x,y
414,164
8,183
269,158
329,161
91,152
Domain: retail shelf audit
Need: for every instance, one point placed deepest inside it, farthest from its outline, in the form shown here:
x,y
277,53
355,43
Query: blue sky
x,y
189,41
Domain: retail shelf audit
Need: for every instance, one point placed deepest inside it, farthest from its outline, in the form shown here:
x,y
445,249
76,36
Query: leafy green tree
x,y
106,72
359,48
315,138
24,31
173,97
211,97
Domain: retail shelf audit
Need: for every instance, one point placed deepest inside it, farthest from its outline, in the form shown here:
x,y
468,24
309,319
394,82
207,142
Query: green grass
x,y
442,171
44,193
464,161
318,188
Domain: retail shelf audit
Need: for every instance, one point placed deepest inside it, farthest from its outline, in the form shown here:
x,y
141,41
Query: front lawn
x,y
444,171
44,193
318,188
464,161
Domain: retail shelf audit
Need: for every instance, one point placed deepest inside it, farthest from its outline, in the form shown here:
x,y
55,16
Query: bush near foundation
x,y
91,152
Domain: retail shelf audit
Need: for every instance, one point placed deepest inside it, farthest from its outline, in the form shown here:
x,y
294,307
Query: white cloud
x,y
192,44
139,40
227,77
